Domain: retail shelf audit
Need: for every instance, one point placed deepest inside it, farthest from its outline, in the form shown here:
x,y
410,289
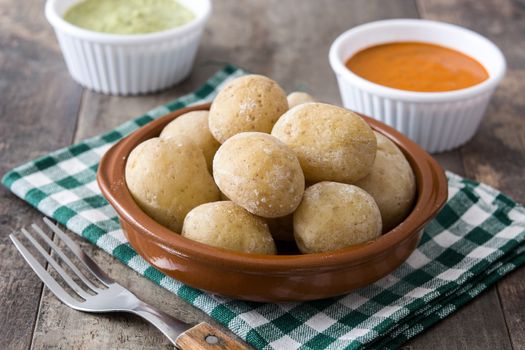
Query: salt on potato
x,y
226,225
297,98
259,173
194,126
168,178
391,182
334,215
248,103
332,143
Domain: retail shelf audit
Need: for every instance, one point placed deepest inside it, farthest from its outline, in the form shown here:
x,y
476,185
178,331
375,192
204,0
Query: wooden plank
x,y
38,109
295,57
511,291
451,161
479,325
496,155
289,40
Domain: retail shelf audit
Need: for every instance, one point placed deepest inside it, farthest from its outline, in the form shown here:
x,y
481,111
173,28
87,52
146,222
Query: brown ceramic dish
x,y
264,277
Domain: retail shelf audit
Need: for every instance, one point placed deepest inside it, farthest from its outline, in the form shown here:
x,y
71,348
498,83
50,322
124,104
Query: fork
x,y
109,296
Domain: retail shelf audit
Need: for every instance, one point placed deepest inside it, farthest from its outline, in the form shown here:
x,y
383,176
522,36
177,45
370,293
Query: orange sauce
x,y
416,66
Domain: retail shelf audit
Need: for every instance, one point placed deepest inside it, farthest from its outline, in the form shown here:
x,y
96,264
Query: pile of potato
x,y
287,168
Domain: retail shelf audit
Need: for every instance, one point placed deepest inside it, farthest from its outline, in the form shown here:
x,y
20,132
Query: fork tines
x,y
90,288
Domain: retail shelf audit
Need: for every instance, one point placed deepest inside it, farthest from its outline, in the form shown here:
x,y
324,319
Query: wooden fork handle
x,y
205,337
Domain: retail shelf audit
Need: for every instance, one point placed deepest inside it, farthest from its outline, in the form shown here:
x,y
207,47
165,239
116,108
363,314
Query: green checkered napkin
x,y
476,239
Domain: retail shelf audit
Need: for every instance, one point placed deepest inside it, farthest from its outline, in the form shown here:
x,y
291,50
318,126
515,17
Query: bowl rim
x,y
416,96
61,24
432,193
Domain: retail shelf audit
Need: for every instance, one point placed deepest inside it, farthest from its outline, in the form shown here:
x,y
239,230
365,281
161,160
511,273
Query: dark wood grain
x,y
38,109
451,161
496,155
289,40
479,325
511,292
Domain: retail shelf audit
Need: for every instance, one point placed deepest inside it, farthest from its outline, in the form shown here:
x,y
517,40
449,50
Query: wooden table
x,y
42,109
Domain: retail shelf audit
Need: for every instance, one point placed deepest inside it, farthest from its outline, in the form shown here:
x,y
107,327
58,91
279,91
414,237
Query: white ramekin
x,y
438,121
128,64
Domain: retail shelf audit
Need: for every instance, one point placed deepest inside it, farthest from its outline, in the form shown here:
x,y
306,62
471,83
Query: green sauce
x,y
129,16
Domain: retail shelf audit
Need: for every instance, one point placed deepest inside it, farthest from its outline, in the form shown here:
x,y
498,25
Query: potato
x,y
194,126
297,98
259,173
248,103
226,225
333,215
391,183
332,143
168,178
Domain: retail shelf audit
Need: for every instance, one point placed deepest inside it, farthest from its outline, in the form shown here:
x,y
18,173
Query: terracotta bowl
x,y
286,277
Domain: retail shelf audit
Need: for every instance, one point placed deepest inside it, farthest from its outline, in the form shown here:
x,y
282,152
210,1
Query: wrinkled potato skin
x,y
333,215
391,182
248,103
332,143
168,178
228,226
194,125
259,173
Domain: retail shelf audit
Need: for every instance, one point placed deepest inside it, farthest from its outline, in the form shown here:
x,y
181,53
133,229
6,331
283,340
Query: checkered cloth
x,y
475,240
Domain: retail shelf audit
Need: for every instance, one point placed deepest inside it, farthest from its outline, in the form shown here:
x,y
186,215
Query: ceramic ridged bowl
x,y
271,277
437,121
128,64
